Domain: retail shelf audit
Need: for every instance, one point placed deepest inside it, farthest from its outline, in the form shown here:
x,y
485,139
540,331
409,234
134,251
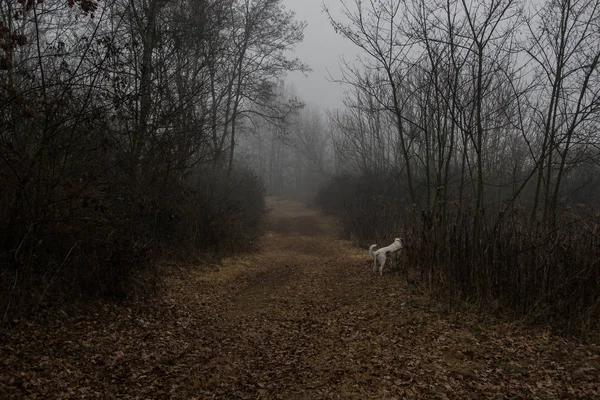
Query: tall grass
x,y
549,273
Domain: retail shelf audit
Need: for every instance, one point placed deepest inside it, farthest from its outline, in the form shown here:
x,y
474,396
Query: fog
x,y
363,80
323,50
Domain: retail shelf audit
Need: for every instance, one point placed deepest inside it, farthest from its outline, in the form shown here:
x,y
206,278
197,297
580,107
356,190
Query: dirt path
x,y
303,319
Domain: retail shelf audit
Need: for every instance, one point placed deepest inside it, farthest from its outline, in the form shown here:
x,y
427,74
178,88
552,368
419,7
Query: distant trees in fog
x,y
293,156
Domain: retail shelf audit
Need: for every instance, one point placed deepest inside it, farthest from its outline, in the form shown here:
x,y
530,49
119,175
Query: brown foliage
x,y
507,264
290,322
95,192
74,226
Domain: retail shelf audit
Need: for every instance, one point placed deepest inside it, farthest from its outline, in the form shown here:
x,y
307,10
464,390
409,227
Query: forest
x,y
119,123
471,128
160,175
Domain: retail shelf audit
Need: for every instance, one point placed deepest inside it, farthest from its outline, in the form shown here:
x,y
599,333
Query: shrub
x,y
548,273
81,235
371,209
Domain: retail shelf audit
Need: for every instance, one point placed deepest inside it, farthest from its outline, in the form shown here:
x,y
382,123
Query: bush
x,y
83,236
216,213
548,273
72,242
371,209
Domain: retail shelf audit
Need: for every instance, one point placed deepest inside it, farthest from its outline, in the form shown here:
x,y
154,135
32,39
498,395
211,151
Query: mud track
x,y
305,318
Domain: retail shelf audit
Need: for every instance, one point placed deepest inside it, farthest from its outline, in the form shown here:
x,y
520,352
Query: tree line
x,y
472,126
119,122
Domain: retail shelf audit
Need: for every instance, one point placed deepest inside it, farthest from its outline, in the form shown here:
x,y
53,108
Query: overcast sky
x,y
321,50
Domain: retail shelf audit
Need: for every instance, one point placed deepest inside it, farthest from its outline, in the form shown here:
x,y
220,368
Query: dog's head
x,y
398,240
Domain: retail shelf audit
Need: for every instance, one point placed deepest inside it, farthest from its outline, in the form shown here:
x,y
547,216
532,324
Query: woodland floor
x,y
305,318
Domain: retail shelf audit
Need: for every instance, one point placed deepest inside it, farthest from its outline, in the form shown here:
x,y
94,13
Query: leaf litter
x,y
305,318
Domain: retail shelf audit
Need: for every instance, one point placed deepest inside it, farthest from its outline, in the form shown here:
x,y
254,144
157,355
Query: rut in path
x,y
304,318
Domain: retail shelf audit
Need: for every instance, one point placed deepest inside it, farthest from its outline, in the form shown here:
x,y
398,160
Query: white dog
x,y
383,253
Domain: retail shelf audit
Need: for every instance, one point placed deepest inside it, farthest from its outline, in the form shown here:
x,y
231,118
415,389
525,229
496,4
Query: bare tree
x,y
563,42
262,32
375,27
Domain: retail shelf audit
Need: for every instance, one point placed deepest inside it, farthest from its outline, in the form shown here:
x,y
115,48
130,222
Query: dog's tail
x,y
371,252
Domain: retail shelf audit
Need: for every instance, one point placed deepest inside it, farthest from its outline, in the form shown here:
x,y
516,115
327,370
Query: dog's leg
x,y
374,255
382,265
